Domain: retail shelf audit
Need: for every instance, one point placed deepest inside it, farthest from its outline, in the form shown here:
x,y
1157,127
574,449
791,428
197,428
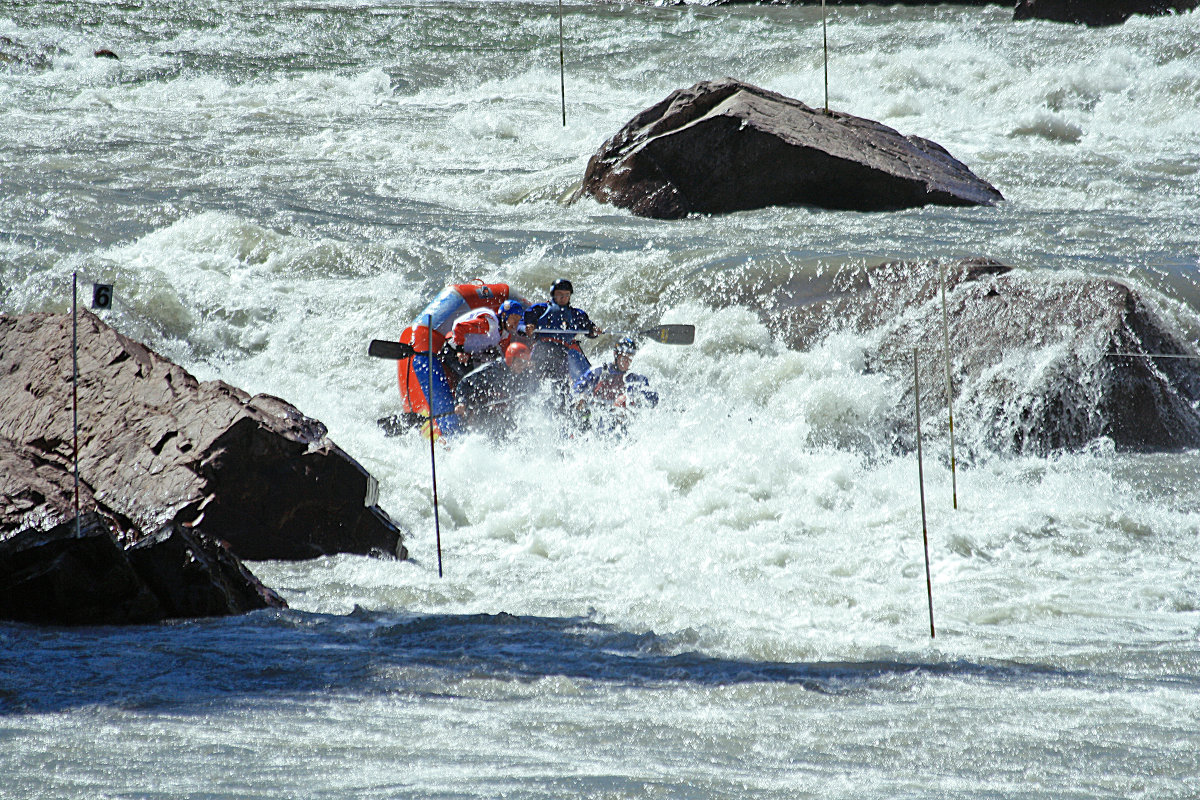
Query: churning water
x,y
730,600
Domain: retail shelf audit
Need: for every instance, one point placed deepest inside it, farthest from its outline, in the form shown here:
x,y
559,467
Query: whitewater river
x,y
730,601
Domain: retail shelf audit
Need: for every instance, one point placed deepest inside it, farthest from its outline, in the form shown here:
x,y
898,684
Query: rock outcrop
x,y
723,146
108,571
1040,361
1097,13
65,576
157,447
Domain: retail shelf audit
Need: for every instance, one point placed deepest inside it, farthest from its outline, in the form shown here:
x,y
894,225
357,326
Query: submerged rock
x,y
1097,12
17,54
157,447
723,146
1039,361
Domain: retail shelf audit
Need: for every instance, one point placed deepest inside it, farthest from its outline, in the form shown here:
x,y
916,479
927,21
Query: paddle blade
x,y
671,334
381,348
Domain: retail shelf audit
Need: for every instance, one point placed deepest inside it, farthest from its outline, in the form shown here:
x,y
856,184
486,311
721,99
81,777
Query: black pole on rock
x,y
562,64
437,521
921,481
75,388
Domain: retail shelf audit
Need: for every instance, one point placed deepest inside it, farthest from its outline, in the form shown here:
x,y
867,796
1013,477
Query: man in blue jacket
x,y
558,355
613,385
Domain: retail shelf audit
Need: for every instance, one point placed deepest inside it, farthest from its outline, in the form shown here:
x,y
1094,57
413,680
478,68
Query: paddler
x,y
559,355
613,385
485,398
481,336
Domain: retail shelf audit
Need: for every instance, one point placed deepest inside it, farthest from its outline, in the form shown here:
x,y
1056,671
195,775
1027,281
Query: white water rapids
x,y
730,600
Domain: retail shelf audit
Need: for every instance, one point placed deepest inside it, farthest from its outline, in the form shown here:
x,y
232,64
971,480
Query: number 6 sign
x,y
102,296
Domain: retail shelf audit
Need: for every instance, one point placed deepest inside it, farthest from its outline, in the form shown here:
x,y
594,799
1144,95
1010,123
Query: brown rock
x,y
724,146
49,574
60,578
156,446
70,576
194,575
846,2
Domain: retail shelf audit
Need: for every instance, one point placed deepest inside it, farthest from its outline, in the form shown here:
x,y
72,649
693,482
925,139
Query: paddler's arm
x,y
593,329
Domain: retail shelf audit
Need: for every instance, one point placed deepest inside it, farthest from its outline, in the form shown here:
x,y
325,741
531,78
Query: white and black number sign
x,y
102,296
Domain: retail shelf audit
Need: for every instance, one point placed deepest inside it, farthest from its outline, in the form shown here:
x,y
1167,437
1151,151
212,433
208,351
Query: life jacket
x,y
564,318
610,386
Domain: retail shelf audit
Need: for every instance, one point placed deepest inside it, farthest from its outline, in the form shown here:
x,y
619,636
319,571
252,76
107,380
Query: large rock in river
x,y
1097,12
724,146
104,570
1040,361
157,447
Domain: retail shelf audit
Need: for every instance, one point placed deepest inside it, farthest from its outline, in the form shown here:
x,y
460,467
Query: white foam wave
x,y
1049,126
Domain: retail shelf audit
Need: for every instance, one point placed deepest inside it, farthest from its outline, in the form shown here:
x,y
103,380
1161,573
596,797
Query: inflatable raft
x,y
424,385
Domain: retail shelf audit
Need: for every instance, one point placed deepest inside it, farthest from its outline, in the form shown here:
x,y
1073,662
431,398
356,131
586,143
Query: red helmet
x,y
517,350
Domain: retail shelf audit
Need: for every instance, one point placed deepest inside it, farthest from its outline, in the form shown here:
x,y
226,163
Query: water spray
x,y
562,64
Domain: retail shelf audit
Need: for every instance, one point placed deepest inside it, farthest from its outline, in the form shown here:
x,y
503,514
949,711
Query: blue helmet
x,y
511,307
627,347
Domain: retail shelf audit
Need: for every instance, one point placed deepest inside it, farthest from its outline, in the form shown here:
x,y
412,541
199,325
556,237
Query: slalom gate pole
x,y
825,47
949,387
437,521
562,64
921,481
75,388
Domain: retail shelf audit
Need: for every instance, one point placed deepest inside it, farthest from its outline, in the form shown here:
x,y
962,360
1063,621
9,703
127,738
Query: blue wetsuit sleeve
x,y
584,323
533,315
587,382
642,384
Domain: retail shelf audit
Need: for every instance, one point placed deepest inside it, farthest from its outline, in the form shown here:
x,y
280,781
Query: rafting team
x,y
500,358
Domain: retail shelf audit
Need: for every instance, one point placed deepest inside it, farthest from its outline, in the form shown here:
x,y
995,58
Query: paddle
x,y
671,334
663,334
381,348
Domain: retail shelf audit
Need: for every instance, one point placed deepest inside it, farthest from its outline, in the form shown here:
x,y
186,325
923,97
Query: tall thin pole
x,y
75,387
921,481
437,521
949,387
825,47
562,64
